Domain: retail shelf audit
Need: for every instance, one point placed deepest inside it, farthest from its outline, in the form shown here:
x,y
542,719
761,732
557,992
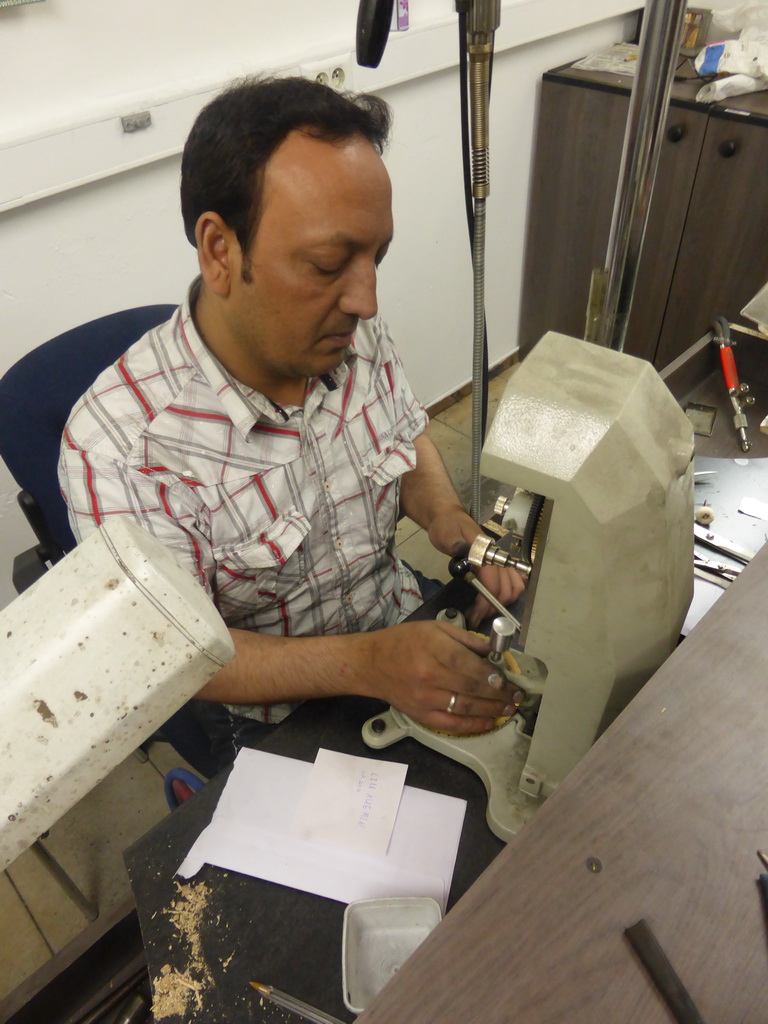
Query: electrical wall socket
x,y
136,122
333,71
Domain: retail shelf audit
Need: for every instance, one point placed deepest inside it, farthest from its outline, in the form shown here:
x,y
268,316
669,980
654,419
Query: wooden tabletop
x,y
661,820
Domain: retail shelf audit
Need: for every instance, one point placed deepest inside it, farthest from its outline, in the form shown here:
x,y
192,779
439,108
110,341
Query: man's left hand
x,y
452,532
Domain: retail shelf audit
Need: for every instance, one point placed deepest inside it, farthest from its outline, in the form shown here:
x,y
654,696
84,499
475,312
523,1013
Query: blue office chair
x,y
36,397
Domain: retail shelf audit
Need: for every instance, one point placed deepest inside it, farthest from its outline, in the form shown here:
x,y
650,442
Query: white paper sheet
x,y
621,59
350,802
251,832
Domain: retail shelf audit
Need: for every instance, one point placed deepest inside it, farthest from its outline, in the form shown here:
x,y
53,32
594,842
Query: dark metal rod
x,y
55,869
662,973
648,104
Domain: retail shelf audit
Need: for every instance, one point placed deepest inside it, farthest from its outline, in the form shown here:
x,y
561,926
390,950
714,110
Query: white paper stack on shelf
x,y
259,824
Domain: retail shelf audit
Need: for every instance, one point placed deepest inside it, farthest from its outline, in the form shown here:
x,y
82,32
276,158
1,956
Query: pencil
x,y
295,1005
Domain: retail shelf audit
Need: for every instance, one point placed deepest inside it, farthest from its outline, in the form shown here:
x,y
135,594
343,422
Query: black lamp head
x,y
374,20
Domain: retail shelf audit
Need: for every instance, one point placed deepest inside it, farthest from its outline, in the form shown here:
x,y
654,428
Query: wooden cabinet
x,y
706,246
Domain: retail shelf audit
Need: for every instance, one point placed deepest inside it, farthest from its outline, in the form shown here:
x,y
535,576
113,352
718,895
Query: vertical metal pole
x,y
482,21
658,56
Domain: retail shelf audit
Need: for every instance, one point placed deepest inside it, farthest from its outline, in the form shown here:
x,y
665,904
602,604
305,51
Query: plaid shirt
x,y
286,515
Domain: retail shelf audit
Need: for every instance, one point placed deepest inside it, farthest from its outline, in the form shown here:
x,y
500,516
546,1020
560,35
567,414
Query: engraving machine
x,y
600,438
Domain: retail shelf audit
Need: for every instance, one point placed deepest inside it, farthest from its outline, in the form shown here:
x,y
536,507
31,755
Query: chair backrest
x,y
37,395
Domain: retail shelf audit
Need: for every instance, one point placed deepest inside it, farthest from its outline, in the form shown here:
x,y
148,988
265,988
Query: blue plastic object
x,y
180,784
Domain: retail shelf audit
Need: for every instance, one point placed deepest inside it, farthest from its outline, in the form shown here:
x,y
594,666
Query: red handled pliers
x,y
738,393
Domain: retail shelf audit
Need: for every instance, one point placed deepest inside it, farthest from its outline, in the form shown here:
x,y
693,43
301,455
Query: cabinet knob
x,y
727,148
675,132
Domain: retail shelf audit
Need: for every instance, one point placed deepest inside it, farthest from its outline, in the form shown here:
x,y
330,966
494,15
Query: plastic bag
x,y
747,55
734,19
734,85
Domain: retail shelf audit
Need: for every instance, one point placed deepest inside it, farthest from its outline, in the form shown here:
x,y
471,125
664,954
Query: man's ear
x,y
218,252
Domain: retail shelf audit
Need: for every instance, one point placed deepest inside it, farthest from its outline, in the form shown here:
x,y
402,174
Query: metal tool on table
x,y
609,555
726,547
737,391
662,973
715,572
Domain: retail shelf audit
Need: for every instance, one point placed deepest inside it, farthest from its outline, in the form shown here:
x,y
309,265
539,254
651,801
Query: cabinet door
x,y
578,151
723,258
575,178
675,180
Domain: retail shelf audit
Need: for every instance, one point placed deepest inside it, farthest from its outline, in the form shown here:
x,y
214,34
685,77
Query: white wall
x,y
71,249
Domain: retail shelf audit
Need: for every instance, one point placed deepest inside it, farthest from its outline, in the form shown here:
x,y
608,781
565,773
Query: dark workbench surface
x,y
221,930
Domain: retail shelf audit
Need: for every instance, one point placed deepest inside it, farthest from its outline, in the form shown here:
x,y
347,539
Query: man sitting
x,y
267,434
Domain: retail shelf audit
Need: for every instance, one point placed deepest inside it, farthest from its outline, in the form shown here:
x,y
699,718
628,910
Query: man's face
x,y
325,225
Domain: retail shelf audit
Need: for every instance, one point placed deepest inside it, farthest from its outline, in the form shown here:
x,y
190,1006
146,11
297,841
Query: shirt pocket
x,y
266,565
384,471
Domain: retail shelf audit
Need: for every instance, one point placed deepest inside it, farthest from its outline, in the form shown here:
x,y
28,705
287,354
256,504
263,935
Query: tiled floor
x,y
36,918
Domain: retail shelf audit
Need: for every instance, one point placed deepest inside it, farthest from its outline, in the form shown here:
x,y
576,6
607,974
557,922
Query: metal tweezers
x,y
715,572
704,536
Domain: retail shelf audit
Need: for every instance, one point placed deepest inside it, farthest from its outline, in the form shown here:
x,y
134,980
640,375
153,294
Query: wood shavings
x,y
179,993
173,993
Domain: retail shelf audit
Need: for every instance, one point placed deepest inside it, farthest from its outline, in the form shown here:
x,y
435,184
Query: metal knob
x,y
501,506
675,132
502,631
727,149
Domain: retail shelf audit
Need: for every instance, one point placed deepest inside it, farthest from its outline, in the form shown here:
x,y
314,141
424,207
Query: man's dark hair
x,y
234,136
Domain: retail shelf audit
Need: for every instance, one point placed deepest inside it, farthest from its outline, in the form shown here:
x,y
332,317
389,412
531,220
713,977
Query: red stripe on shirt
x,y
130,381
263,429
267,500
195,415
95,510
408,463
371,430
163,495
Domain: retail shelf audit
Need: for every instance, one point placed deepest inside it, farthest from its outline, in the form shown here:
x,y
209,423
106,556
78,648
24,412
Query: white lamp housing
x,y
96,655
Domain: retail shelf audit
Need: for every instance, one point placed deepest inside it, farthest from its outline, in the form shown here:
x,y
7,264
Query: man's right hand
x,y
418,667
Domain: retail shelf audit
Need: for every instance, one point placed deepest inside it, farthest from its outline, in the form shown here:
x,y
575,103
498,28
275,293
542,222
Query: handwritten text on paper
x,y
351,802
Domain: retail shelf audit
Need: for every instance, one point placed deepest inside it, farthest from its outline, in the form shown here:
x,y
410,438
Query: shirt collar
x,y
243,405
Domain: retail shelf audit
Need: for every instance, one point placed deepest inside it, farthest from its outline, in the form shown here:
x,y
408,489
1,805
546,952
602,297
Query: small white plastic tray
x,y
379,936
